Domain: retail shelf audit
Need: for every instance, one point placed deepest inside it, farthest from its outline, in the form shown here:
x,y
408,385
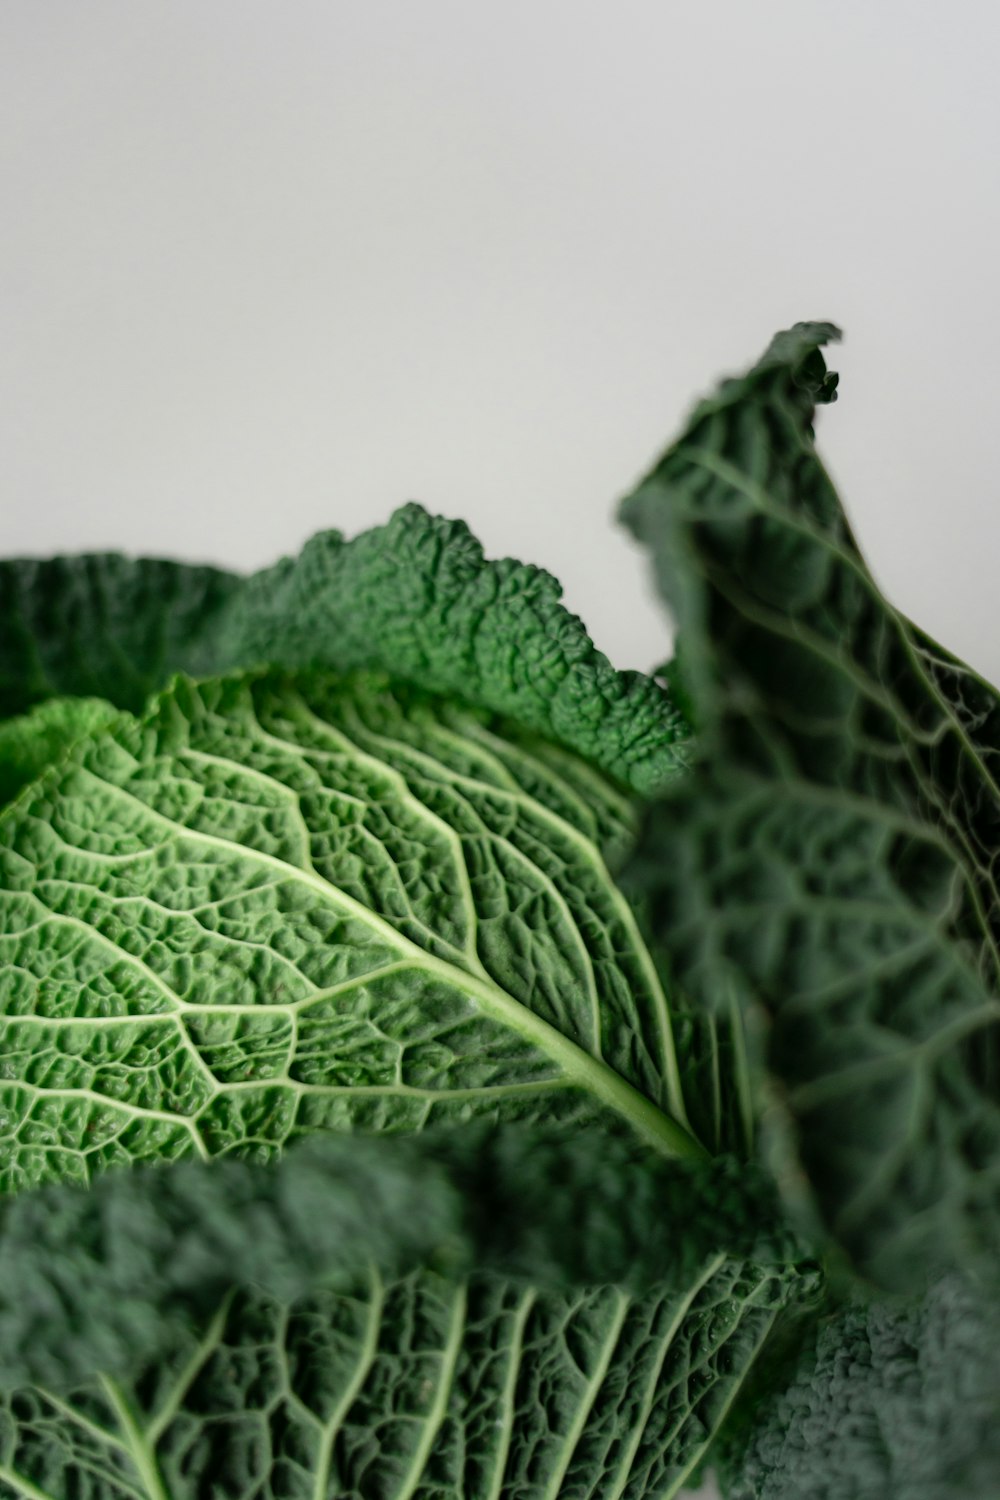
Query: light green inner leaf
x,y
274,907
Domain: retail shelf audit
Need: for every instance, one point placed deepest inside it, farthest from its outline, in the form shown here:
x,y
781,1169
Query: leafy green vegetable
x,y
112,1276
414,598
273,906
35,740
105,626
422,1386
886,1399
555,1344
410,1037
530,1361
832,861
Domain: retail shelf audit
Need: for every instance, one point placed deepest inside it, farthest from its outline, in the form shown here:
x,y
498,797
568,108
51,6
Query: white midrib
x,y
588,852
659,1130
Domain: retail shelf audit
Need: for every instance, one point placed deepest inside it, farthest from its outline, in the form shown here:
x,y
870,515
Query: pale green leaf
x,y
274,907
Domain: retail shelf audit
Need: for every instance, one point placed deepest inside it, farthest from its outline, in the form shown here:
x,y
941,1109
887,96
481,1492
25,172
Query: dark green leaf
x,y
415,598
832,864
111,1276
419,1388
465,1314
886,1399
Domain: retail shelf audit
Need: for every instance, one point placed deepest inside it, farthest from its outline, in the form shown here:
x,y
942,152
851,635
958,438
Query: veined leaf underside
x,y
415,1389
833,859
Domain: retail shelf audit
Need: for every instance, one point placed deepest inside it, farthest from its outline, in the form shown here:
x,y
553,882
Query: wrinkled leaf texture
x,y
279,905
831,865
110,1277
276,905
886,1398
415,598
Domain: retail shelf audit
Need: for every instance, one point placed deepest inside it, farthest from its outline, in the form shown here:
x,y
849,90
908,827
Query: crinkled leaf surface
x,y
272,907
886,1399
423,1386
278,906
415,597
109,1276
520,1372
833,861
32,741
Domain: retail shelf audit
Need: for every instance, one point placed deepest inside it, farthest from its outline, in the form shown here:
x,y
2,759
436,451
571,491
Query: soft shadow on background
x,y
267,269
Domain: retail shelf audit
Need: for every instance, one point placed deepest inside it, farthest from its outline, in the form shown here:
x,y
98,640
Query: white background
x,y
272,267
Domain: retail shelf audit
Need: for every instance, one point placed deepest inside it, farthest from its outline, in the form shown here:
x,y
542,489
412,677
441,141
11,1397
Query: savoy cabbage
x,y
437,1066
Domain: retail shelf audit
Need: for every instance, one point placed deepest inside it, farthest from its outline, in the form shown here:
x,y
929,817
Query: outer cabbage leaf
x,y
419,1387
415,598
886,1399
832,864
533,1361
105,626
114,1276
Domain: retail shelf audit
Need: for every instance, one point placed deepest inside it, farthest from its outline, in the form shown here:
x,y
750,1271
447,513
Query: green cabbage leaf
x,y
468,1314
429,1071
884,1398
414,598
830,868
277,913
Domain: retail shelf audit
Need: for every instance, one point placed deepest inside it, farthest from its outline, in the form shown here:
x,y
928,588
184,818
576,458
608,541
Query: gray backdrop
x,y
267,268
